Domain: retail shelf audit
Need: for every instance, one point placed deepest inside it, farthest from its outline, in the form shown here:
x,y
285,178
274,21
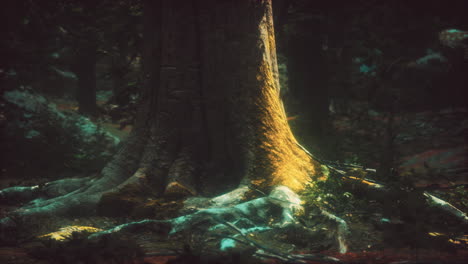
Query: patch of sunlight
x,y
32,134
459,240
65,233
325,171
454,30
365,181
66,74
255,229
278,154
366,69
227,243
232,197
178,223
288,164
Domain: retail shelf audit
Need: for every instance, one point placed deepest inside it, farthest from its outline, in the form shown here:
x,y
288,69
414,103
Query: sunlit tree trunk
x,y
214,109
210,118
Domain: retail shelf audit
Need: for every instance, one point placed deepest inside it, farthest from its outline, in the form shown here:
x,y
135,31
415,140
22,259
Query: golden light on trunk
x,y
284,160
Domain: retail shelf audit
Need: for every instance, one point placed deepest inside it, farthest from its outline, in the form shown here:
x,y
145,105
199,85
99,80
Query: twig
x,y
268,252
257,190
327,163
251,242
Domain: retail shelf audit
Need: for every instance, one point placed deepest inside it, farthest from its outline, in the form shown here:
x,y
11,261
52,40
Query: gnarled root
x,y
225,217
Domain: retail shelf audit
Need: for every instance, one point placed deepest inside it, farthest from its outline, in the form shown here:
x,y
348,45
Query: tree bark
x,y
210,118
216,100
308,83
85,69
240,69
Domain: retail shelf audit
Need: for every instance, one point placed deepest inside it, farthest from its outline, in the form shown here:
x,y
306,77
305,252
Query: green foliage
x,y
88,142
42,140
460,194
329,195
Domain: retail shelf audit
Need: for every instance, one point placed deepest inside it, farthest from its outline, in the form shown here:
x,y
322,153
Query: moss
x,y
25,100
66,233
32,134
227,243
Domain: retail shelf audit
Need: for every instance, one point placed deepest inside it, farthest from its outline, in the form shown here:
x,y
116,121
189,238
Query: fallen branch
x,y
254,243
441,204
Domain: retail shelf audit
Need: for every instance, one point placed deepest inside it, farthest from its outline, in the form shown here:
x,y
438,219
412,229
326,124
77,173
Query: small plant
x,y
328,194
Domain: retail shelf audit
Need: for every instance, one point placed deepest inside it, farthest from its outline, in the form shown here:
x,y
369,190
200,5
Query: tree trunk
x,y
308,83
210,118
215,109
85,69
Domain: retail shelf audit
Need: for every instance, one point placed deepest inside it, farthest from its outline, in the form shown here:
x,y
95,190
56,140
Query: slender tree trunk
x,y
85,69
308,81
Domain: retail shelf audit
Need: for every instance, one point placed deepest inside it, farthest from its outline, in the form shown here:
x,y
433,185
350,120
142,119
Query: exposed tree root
x,y
447,207
224,219
379,192
342,230
76,196
50,190
217,215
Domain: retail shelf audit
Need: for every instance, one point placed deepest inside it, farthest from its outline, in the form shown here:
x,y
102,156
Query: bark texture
x,y
210,117
248,135
214,117
85,69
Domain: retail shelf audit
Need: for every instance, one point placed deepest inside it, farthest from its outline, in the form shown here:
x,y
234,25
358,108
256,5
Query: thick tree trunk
x,y
239,69
215,108
210,118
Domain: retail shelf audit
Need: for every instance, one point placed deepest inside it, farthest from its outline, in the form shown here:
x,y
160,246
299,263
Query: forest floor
x,y
364,245
159,251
